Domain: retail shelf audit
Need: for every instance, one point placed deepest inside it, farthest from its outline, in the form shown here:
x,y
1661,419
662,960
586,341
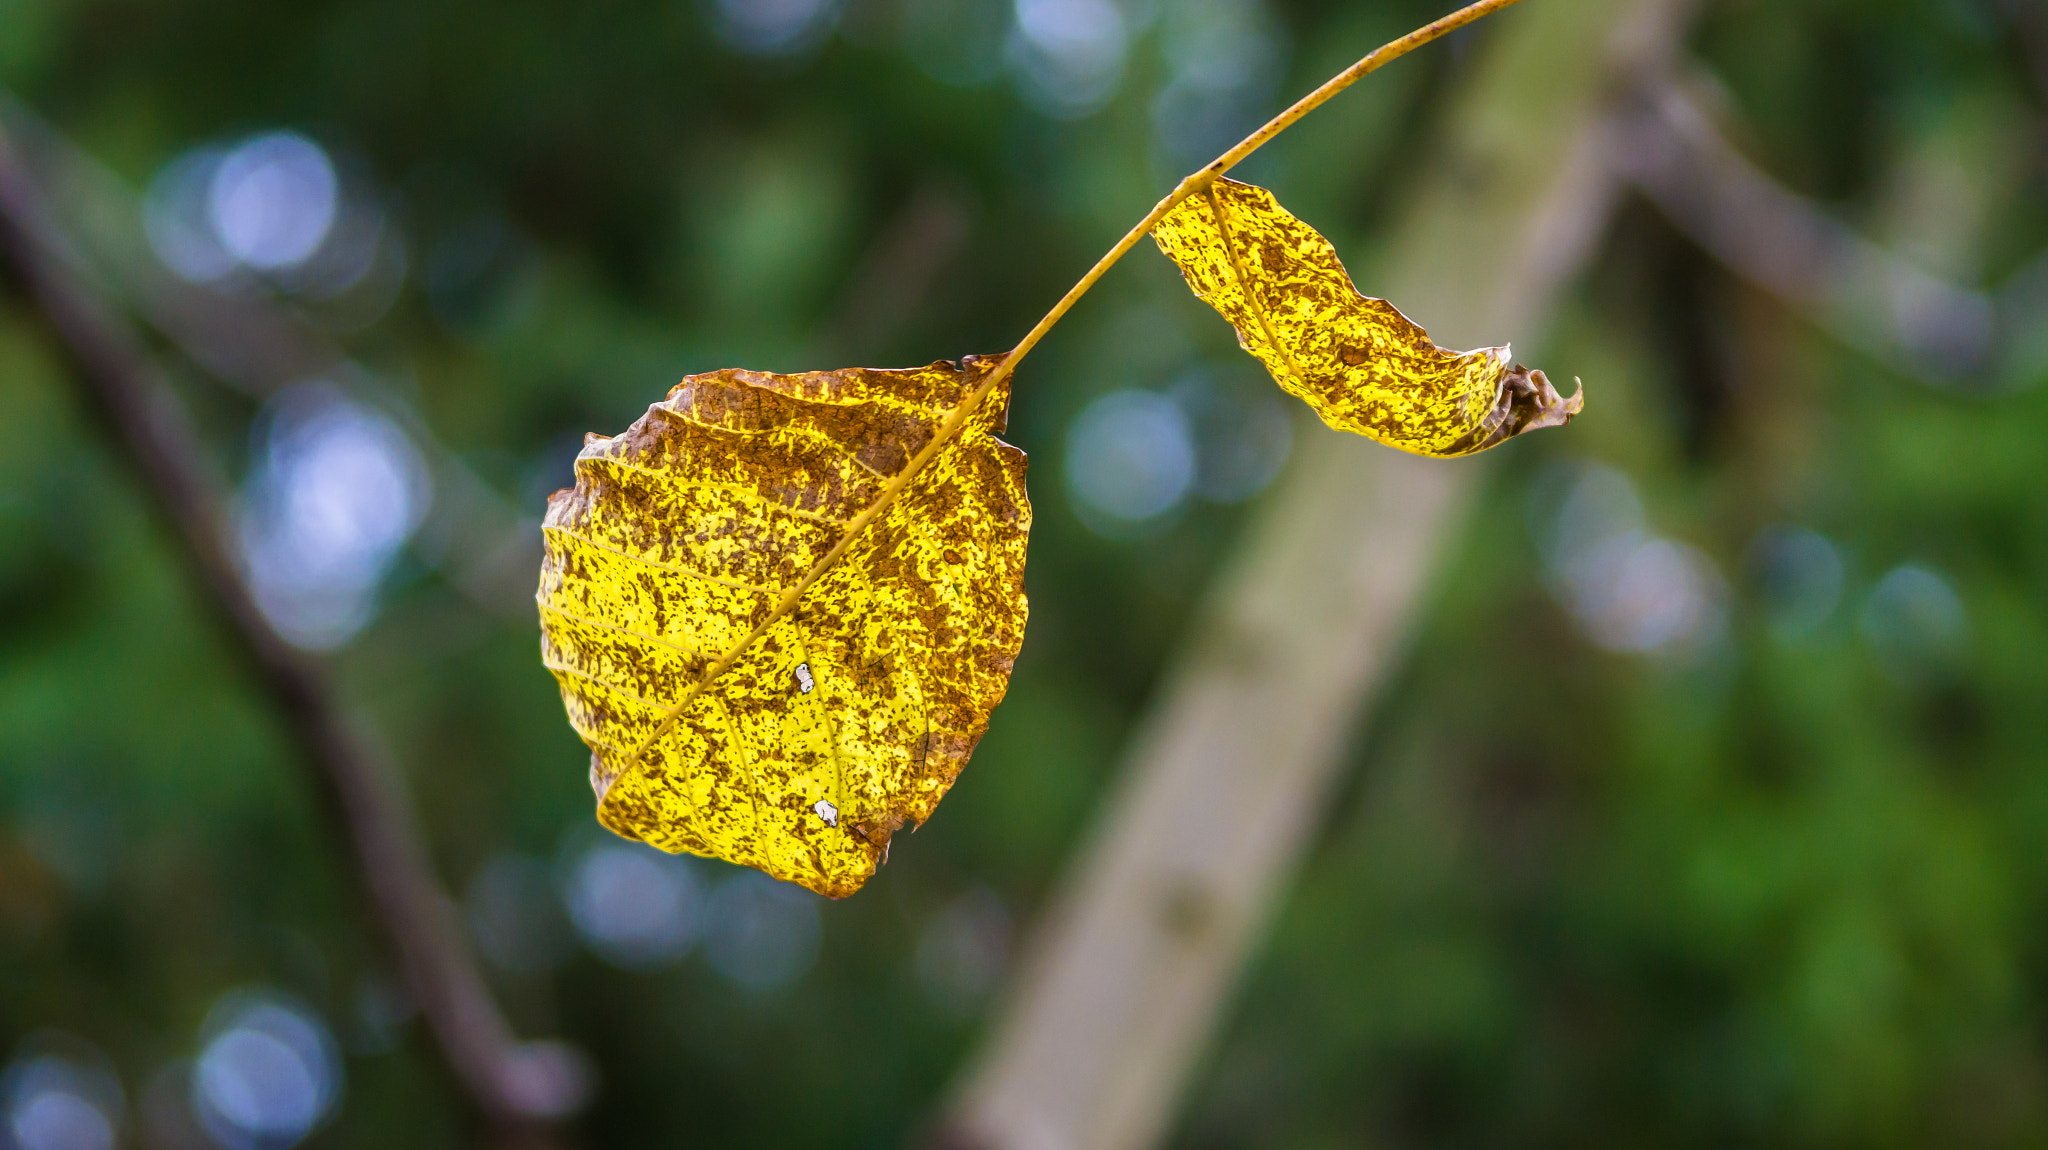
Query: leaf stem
x,y
957,418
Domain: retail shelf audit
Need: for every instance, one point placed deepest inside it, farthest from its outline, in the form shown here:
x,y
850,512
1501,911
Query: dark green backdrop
x,y
1782,888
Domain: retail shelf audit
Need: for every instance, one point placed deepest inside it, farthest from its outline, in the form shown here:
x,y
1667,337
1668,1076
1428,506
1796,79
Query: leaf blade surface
x,y
849,717
1356,360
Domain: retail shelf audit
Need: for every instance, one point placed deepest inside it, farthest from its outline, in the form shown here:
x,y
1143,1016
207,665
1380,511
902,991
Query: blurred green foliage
x,y
1785,890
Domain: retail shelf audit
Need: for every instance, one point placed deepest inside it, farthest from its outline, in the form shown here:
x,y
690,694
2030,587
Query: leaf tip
x,y
1533,403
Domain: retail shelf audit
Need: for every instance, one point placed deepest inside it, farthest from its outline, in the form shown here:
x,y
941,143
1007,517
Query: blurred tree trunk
x,y
1144,943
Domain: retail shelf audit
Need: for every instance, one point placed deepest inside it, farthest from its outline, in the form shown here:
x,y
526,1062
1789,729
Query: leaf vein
x,y
623,630
659,565
1244,289
614,688
747,493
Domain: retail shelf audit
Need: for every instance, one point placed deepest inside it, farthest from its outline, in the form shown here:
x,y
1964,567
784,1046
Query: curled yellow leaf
x,y
850,716
1361,364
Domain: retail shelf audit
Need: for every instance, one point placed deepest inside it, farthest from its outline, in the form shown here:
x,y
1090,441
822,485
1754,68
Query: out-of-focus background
x,y
1701,801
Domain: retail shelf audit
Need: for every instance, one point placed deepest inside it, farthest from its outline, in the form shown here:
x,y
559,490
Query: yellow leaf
x,y
1360,363
850,716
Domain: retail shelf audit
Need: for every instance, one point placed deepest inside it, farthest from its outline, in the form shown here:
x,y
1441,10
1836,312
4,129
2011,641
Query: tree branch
x,y
1867,296
518,1087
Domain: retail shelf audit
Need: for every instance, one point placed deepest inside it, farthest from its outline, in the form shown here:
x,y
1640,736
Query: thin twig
x,y
2030,24
358,782
1669,147
957,419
